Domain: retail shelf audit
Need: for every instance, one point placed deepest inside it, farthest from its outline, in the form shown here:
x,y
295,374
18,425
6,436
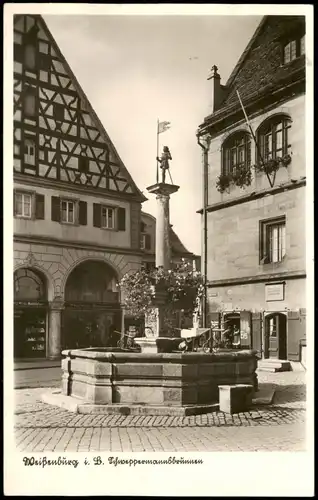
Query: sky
x,y
136,69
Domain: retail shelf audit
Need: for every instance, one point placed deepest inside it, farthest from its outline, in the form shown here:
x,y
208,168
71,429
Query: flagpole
x,y
253,135
157,150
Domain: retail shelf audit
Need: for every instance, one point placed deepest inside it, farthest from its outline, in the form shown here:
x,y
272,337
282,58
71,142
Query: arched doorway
x,y
275,342
30,313
92,308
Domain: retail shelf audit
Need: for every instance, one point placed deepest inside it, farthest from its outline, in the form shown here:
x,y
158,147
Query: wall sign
x,y
274,291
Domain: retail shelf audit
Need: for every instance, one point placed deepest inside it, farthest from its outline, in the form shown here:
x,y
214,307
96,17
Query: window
x,y
29,152
108,218
294,49
29,56
273,240
68,211
236,152
272,326
22,204
58,111
273,137
83,164
29,102
145,241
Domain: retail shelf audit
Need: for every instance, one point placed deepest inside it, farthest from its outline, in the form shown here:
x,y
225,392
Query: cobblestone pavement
x,y
280,427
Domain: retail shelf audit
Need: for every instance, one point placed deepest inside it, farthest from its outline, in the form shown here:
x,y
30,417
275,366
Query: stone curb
x,y
74,405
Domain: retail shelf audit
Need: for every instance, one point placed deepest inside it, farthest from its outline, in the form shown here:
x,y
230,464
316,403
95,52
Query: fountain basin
x,y
107,376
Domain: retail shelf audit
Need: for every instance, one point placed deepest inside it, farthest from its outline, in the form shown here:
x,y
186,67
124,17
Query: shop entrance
x,y
30,314
275,342
92,309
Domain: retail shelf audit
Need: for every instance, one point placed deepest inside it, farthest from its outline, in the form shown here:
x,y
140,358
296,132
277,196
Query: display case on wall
x,y
34,337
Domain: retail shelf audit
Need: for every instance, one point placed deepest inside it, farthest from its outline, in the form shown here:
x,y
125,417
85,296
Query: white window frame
x,y
23,214
273,241
143,241
106,208
68,203
28,156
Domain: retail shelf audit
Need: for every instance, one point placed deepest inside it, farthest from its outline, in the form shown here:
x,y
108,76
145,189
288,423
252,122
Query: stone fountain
x,y
154,381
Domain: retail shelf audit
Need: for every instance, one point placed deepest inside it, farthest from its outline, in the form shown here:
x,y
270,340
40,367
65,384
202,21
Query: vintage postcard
x,y
158,285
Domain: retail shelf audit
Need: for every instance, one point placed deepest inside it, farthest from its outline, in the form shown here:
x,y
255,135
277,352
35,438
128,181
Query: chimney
x,y
217,89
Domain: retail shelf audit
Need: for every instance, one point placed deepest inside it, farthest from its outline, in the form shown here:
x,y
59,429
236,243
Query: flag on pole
x,y
163,126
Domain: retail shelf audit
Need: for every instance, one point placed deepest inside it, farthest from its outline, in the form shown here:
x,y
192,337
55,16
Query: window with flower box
x,y
273,138
236,153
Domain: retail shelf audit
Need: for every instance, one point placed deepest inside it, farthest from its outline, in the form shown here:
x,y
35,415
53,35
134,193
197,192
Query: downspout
x,y
205,224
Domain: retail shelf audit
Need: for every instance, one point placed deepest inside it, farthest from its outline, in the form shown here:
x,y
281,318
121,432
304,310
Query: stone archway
x,y
30,313
92,305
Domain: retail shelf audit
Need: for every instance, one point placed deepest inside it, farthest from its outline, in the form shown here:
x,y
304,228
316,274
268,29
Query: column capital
x,y
162,189
57,304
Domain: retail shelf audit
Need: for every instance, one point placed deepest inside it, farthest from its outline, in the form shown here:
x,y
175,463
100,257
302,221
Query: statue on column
x,y
164,162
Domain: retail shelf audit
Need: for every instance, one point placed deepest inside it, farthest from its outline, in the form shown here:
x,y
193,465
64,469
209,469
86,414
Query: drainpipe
x,y
205,225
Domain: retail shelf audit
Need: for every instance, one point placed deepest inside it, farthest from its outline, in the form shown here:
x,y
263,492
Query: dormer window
x,y
294,49
236,152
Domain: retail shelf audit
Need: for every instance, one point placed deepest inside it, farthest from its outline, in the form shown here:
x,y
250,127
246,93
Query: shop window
x,y
273,138
22,204
236,152
272,240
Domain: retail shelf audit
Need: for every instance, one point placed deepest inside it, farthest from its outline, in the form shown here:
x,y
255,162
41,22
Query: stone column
x,y
156,335
55,312
163,254
163,251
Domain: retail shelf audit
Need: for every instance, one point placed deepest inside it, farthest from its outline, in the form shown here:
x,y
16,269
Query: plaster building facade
x,y
253,215
77,211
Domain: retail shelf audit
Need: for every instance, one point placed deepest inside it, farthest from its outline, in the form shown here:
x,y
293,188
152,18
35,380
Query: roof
x,y
177,246
137,193
260,68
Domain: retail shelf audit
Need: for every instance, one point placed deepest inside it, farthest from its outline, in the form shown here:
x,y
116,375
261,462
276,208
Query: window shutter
x,y
295,334
245,327
82,215
257,332
39,206
55,209
97,215
121,224
147,241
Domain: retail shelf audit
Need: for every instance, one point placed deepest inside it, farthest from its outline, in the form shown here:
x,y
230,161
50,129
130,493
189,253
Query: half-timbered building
x,y
77,210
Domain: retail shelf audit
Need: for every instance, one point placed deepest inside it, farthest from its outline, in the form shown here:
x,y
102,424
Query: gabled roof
x,y
137,194
245,52
259,72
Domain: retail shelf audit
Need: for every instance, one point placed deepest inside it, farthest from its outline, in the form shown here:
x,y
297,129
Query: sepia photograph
x,y
162,175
